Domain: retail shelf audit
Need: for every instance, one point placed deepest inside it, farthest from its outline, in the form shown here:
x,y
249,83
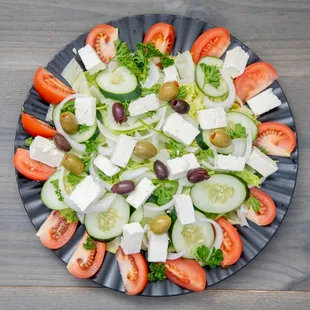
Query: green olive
x,y
69,123
73,163
168,91
220,138
160,224
144,149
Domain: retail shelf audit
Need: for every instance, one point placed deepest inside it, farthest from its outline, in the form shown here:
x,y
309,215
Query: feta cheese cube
x,y
85,110
186,68
212,118
184,208
235,61
132,238
141,193
45,151
264,102
91,60
180,129
178,167
143,105
158,247
229,163
123,150
191,160
261,163
87,192
171,74
105,166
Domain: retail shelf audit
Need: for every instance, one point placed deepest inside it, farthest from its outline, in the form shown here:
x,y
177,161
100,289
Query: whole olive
x,y
168,91
144,149
69,123
220,138
61,142
123,187
73,163
180,106
160,224
160,170
197,175
119,113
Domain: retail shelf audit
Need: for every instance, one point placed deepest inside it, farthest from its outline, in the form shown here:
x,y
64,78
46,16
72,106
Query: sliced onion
x,y
184,182
145,240
131,174
179,191
137,159
155,140
173,256
111,144
207,165
239,147
101,205
81,217
94,174
108,135
218,232
192,149
249,146
242,212
105,151
95,92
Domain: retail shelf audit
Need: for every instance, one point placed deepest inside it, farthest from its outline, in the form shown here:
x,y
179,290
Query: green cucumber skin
x,y
200,141
123,97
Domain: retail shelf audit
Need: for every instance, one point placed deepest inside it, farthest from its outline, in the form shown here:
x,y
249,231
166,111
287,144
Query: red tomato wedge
x,y
186,273
36,127
267,211
31,169
162,36
232,244
55,232
254,79
212,42
276,138
85,263
134,270
102,38
49,87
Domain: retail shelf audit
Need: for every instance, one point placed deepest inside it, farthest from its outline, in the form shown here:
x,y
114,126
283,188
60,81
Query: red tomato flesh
x,y
36,127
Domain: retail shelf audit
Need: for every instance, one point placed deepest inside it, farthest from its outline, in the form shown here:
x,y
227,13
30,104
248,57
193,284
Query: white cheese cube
x,y
229,163
86,193
123,150
235,61
177,167
184,208
152,77
45,151
186,68
212,118
132,238
143,105
85,110
180,129
264,102
191,160
91,60
261,163
158,247
171,74
141,193
105,166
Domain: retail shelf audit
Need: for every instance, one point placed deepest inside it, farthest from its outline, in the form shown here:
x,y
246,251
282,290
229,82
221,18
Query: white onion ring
x,y
192,149
95,92
249,146
207,165
101,205
81,217
136,159
131,174
94,174
173,256
105,151
239,147
241,213
155,140
145,239
108,135
218,232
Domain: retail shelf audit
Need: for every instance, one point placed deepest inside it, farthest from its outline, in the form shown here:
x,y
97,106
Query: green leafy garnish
x,y
164,191
263,150
238,131
153,90
89,244
254,203
182,92
69,215
157,272
68,107
28,141
82,128
212,75
205,256
55,184
111,180
248,177
176,148
150,113
74,179
91,146
204,154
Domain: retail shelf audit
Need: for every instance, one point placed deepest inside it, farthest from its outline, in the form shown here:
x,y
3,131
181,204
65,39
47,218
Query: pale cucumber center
x,y
107,220
116,78
220,193
193,234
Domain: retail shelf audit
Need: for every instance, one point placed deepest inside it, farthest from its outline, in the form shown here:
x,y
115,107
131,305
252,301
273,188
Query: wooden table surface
x,y
31,32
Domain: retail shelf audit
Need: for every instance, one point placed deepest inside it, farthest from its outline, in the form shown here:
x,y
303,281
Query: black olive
x,y
180,106
197,175
123,187
160,170
119,113
61,142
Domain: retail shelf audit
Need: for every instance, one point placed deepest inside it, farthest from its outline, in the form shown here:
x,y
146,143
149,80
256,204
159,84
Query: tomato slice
x,y
134,271
186,273
55,232
267,211
276,138
255,78
85,263
162,36
31,169
49,87
102,38
36,127
213,42
232,244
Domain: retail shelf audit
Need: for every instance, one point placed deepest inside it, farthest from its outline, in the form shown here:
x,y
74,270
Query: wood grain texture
x,y
31,33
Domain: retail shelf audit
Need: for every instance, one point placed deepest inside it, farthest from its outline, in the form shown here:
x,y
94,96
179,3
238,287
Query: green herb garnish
x,y
82,128
74,179
89,244
182,92
153,90
28,141
176,148
254,203
157,272
68,107
205,256
262,150
55,184
204,154
164,191
212,75
69,215
238,131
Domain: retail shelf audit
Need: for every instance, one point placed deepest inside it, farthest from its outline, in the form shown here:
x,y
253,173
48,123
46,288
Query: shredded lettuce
x,y
195,99
248,177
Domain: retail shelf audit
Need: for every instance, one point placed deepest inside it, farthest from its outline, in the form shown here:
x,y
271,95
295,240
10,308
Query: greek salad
x,y
159,156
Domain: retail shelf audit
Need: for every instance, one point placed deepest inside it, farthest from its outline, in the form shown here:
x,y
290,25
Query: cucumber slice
x,y
219,194
192,236
92,132
200,142
234,118
209,89
145,216
109,224
119,85
48,194
113,245
222,150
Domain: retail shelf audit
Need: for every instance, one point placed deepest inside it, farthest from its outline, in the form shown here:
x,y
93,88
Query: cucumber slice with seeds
x,y
145,216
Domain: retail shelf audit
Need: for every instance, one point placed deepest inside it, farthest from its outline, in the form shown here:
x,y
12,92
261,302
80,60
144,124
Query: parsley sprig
x,y
212,75
28,141
153,90
254,203
176,148
55,184
89,244
182,92
204,154
238,131
164,191
69,215
74,179
68,107
157,272
209,257
82,128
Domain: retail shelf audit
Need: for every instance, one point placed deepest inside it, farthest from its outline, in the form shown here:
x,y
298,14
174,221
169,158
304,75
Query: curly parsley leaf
x,y
205,256
176,148
111,180
164,191
204,154
55,184
153,90
157,272
82,128
263,150
238,131
28,141
69,215
91,146
182,92
74,179
89,244
254,203
68,107
212,75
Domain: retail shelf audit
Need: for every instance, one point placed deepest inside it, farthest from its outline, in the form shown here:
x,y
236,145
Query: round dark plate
x,y
280,186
